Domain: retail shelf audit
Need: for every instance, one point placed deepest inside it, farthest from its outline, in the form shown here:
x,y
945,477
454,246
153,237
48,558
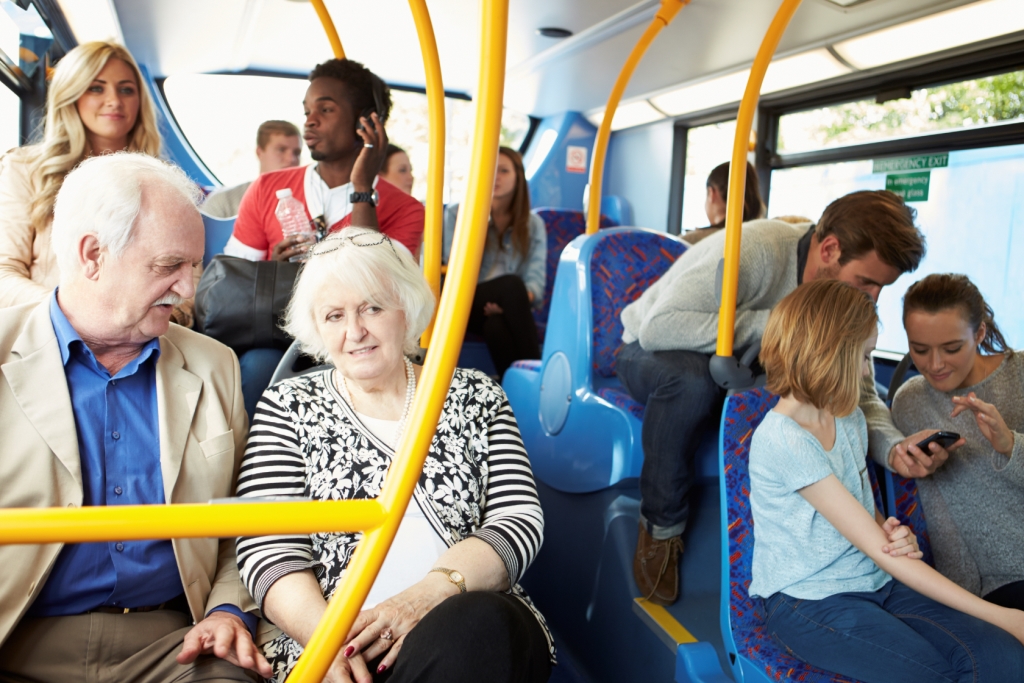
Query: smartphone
x,y
944,439
366,115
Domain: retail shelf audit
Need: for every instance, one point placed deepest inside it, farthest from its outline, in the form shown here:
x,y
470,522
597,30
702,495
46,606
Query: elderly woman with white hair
x,y
446,605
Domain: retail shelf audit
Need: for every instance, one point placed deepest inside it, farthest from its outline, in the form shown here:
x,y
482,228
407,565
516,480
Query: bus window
x,y
219,114
706,147
10,108
972,103
973,219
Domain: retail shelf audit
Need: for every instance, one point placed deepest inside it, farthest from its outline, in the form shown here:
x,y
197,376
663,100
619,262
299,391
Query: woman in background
x,y
398,169
96,103
714,203
512,272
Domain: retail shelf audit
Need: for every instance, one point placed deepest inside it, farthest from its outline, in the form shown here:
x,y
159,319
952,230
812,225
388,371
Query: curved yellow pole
x,y
435,164
665,15
452,316
328,24
738,173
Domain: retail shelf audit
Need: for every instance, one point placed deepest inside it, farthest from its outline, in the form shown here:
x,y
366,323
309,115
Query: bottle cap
x,y
281,194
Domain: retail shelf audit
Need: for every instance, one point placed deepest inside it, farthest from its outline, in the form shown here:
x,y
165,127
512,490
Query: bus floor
x,y
582,581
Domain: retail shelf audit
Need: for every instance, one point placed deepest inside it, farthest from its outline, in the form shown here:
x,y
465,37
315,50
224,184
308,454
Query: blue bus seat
x,y
753,653
562,226
617,209
904,503
218,232
579,426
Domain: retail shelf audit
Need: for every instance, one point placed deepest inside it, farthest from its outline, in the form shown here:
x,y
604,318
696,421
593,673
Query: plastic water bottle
x,y
292,217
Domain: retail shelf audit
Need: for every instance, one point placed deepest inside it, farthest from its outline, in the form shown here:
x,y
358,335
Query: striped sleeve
x,y
513,522
272,466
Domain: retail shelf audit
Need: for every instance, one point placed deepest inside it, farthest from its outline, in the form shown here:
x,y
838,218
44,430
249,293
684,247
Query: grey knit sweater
x,y
973,503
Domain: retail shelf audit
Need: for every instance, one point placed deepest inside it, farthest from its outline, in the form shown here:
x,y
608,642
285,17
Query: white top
x,y
417,546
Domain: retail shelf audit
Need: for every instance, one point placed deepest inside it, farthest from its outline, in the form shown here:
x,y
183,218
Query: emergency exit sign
x,y
918,163
912,187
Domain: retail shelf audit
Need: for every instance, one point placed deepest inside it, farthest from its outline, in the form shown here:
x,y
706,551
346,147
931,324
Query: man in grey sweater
x,y
867,239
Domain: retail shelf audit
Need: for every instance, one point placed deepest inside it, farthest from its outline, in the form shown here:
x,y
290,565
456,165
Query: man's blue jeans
x,y
893,634
681,400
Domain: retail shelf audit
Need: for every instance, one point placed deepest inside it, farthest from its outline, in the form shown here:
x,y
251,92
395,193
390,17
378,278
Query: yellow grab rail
x,y
328,24
665,15
452,316
738,174
435,165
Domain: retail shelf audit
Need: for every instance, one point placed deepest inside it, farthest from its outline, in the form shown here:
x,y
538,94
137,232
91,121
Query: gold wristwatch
x,y
453,576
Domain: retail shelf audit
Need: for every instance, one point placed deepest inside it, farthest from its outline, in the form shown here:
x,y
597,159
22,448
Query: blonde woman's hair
x,y
813,345
381,271
64,144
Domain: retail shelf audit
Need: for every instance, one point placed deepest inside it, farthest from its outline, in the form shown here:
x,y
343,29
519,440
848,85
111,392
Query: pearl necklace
x,y
410,393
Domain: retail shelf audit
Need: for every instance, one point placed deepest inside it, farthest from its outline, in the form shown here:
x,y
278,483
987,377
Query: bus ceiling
x,y
699,62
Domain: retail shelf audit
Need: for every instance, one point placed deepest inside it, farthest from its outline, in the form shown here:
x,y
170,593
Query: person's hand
x,y
397,615
224,635
990,422
909,461
530,296
348,670
183,314
491,308
290,246
371,158
902,540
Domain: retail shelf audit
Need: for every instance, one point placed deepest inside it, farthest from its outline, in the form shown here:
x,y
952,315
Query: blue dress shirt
x,y
119,444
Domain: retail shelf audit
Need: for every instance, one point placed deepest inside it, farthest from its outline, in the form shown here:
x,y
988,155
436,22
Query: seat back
x,y
293,363
562,226
752,651
218,232
904,503
617,209
623,265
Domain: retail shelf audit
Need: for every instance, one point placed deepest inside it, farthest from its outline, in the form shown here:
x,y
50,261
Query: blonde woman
x,y
96,103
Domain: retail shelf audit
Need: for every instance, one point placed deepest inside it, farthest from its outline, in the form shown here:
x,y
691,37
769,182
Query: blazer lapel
x,y
177,392
37,380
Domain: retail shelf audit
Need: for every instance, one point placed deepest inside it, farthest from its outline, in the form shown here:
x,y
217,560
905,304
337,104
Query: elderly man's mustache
x,y
169,299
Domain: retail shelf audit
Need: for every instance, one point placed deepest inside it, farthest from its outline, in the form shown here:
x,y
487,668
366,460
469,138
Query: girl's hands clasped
x,y
990,422
902,540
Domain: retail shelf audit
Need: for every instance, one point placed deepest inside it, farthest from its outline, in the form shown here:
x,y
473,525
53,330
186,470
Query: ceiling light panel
x,y
92,20
627,115
807,67
961,26
703,95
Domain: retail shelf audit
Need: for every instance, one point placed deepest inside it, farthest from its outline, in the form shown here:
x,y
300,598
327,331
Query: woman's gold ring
x,y
386,634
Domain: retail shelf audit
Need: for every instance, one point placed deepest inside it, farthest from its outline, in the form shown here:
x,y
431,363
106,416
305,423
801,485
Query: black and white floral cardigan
x,y
306,441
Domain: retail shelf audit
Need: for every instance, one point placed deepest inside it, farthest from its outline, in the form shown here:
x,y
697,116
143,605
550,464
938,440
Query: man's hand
x,y
374,140
290,246
909,461
225,636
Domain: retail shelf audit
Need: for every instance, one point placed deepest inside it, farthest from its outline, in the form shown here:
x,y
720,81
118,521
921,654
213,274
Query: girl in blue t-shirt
x,y
844,589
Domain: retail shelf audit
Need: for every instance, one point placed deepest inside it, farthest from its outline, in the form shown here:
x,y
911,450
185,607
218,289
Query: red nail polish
x,y
381,668
349,650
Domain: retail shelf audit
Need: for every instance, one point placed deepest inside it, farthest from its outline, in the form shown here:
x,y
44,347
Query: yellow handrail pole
x,y
328,24
145,522
453,314
665,15
435,163
738,173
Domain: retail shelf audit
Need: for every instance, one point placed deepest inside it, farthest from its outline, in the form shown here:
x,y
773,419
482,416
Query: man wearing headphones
x,y
346,106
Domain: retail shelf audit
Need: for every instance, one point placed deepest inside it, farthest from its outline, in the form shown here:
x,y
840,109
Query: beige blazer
x,y
203,429
28,266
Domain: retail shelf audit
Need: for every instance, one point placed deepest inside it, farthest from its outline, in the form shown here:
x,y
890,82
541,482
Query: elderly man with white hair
x,y
104,402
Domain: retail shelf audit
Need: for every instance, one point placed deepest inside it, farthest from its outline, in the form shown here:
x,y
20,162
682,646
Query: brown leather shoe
x,y
656,567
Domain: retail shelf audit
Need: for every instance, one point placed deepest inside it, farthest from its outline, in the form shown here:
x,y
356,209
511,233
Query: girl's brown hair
x,y
943,291
753,206
813,344
519,226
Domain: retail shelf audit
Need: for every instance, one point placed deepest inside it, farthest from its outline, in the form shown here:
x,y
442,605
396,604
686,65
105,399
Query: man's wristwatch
x,y
370,197
453,576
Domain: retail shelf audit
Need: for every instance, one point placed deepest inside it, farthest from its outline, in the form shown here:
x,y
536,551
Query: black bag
x,y
240,303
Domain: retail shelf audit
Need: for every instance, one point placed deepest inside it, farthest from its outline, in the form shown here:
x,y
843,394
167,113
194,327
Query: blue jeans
x,y
257,367
681,401
893,634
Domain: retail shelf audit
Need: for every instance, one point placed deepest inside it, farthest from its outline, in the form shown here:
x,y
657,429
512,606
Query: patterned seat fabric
x,y
743,413
618,397
623,266
562,226
909,511
531,365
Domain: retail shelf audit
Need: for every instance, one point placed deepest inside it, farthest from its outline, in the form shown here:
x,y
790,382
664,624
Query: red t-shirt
x,y
399,215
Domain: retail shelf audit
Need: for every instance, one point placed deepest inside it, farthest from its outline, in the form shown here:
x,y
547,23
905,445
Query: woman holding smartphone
x,y
973,384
